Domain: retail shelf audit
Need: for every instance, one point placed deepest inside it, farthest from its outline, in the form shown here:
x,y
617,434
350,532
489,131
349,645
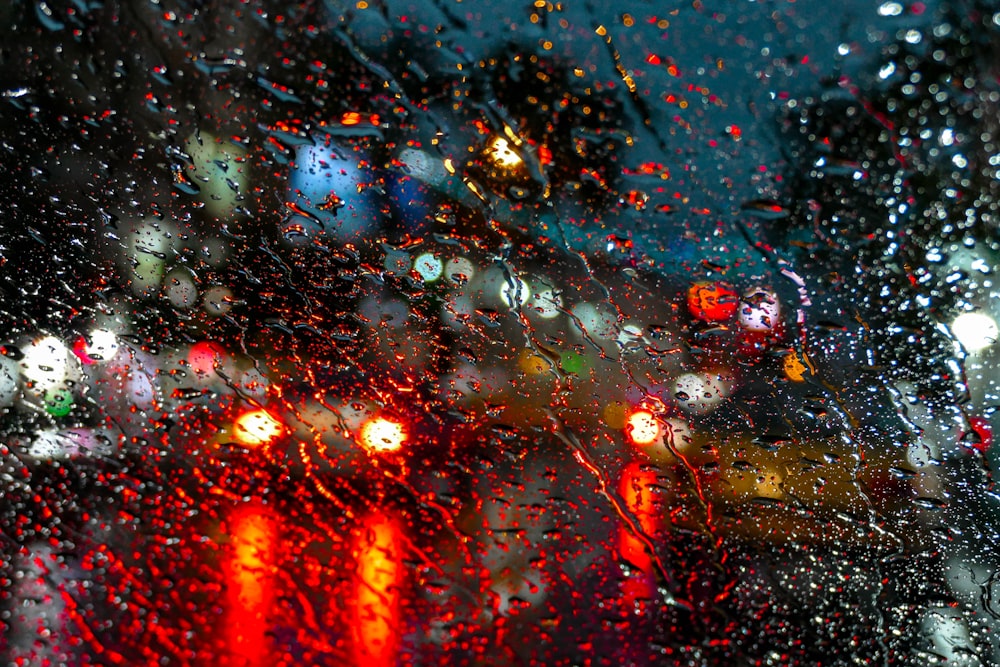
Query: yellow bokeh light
x,y
257,427
768,485
614,414
794,368
380,434
533,364
642,427
502,155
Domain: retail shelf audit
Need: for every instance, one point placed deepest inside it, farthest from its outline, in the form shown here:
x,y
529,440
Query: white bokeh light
x,y
596,321
700,393
515,292
9,381
460,270
423,166
46,363
381,434
759,310
47,446
546,304
428,266
102,345
975,331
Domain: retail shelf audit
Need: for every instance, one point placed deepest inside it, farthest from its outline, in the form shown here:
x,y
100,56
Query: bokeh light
x,y
382,434
975,331
257,427
642,427
502,154
712,302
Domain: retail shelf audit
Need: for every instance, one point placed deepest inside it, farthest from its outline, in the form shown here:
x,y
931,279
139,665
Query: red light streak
x,y
636,489
250,593
378,550
110,656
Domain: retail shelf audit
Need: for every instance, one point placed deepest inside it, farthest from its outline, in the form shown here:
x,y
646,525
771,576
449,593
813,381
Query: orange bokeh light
x,y
381,434
376,608
642,428
257,427
712,302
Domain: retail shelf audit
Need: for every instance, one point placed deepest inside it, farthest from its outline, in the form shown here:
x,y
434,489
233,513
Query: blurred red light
x,y
250,589
377,592
80,347
712,302
205,357
983,431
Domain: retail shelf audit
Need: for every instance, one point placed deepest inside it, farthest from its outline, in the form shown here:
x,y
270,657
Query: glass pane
x,y
387,333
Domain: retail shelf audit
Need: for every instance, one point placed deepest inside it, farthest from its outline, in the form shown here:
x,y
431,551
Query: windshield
x,y
385,333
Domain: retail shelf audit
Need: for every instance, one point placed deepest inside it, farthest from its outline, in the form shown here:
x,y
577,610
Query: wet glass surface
x,y
388,333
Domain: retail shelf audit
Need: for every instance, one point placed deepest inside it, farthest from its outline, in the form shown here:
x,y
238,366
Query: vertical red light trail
x,y
250,593
376,612
636,490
